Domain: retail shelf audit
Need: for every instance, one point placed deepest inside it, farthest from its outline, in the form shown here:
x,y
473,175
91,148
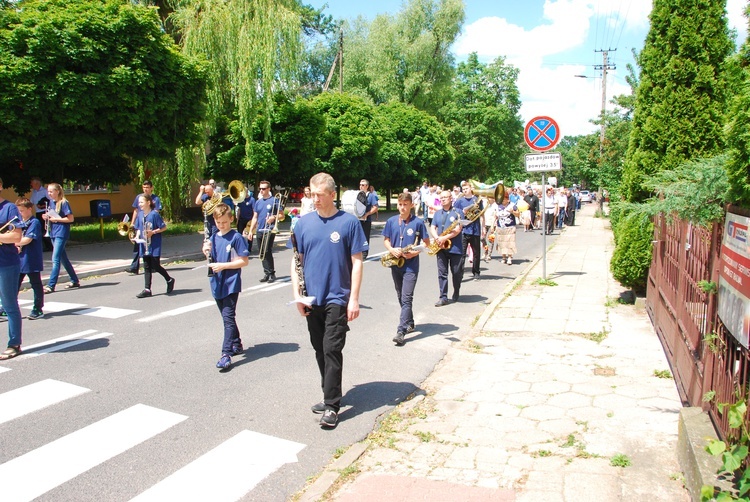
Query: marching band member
x,y
329,244
150,226
473,232
59,222
205,193
148,190
10,269
264,222
451,257
227,252
371,209
31,253
245,211
400,231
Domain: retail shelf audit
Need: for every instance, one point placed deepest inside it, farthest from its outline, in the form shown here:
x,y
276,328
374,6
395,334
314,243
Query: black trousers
x,y
474,242
241,224
136,263
35,279
151,265
366,228
268,263
405,281
550,222
454,262
328,325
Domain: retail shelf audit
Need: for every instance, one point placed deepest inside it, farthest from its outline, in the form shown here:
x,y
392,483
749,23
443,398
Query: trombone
x,y
277,212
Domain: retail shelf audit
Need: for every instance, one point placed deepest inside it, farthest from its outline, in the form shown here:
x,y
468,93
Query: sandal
x,y
10,353
72,285
48,289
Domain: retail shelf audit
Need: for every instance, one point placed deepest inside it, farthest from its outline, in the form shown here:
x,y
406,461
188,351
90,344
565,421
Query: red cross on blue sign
x,y
542,134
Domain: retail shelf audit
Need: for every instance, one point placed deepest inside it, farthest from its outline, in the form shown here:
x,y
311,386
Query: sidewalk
x,y
552,397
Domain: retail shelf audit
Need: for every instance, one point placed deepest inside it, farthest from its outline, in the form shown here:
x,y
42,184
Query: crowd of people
x,y
456,225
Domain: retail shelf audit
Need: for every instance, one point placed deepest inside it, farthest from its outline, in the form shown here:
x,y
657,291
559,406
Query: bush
x,y
631,258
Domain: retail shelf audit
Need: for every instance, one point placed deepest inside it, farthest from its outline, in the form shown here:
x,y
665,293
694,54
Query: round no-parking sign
x,y
541,134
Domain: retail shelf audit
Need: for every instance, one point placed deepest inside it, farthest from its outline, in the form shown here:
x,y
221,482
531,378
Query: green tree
x,y
253,47
739,125
404,58
415,146
87,86
483,121
353,138
682,94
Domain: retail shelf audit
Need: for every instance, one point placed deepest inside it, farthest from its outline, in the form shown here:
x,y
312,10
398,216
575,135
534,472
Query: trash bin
x,y
100,208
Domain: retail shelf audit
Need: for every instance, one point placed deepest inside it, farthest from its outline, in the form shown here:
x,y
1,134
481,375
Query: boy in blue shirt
x,y
227,252
31,253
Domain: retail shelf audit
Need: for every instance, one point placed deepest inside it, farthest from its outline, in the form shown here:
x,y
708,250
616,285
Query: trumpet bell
x,y
237,191
483,190
123,228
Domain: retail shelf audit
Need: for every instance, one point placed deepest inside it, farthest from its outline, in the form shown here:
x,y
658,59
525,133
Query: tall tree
x,y
404,58
483,121
681,98
739,126
253,47
86,85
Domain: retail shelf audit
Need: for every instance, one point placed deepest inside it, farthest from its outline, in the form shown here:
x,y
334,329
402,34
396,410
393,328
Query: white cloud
x,y
551,89
737,19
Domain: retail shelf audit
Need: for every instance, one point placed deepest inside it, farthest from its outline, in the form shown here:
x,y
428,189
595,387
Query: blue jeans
x,y
405,282
59,255
228,308
9,298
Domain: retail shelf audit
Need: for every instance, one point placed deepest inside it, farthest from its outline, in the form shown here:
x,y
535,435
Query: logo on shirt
x,y
452,219
410,232
335,237
268,206
229,247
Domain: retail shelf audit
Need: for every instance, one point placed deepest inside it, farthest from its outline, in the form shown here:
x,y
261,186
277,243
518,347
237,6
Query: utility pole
x,y
604,67
340,60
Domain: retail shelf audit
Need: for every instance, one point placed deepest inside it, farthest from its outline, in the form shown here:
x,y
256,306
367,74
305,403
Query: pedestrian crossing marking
x,y
227,472
4,369
54,345
52,307
178,311
24,400
106,312
26,477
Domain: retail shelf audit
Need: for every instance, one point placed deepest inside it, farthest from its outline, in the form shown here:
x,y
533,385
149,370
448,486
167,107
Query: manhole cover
x,y
604,371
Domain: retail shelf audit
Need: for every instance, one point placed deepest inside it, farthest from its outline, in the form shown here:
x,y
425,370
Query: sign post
x,y
542,134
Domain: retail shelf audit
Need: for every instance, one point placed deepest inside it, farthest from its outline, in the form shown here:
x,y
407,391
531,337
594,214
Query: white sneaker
x,y
510,261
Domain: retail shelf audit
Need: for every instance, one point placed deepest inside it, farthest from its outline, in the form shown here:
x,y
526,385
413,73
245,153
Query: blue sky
x,y
550,41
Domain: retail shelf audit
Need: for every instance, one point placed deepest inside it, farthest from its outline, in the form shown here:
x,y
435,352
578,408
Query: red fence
x,y
703,355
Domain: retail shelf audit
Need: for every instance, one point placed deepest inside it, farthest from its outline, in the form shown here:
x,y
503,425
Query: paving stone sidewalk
x,y
553,396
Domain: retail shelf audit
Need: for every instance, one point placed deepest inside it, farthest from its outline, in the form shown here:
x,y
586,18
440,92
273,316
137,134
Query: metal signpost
x,y
542,134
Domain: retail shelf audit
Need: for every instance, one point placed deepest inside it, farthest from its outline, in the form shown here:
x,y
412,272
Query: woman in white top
x,y
562,204
490,220
307,204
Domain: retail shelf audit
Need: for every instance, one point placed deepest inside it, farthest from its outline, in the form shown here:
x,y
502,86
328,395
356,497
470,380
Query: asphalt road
x,y
114,394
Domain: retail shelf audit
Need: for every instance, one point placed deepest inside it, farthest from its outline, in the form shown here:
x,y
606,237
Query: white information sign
x,y
542,162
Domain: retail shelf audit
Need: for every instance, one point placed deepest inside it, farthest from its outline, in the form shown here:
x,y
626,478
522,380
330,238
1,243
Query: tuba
x,y
209,206
237,191
473,212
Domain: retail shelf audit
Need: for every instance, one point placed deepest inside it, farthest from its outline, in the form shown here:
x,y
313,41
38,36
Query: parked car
x,y
296,195
585,196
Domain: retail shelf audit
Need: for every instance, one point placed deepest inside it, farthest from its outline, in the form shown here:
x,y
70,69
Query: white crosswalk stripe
x,y
19,402
55,345
35,473
228,471
106,312
78,309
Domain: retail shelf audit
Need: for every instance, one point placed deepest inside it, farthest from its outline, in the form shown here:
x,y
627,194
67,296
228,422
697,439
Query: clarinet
x,y
299,270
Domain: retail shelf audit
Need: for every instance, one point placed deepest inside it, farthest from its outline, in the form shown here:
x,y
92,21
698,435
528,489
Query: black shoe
x,y
399,339
318,408
271,278
131,271
455,297
144,294
476,277
442,302
410,329
329,419
265,278
170,285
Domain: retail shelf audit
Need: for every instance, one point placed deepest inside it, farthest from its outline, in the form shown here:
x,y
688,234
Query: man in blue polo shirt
x,y
474,231
371,208
401,231
148,191
329,245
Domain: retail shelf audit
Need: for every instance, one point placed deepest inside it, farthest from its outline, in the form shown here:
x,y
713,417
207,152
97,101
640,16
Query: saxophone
x,y
434,247
389,260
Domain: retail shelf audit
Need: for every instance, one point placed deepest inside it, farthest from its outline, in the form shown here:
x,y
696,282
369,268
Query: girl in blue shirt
x,y
30,251
150,227
59,233
10,267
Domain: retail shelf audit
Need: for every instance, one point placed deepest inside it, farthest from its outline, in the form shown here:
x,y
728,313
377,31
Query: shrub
x,y
631,258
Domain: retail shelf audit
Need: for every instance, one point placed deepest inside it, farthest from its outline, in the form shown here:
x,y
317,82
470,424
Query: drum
x,y
354,202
